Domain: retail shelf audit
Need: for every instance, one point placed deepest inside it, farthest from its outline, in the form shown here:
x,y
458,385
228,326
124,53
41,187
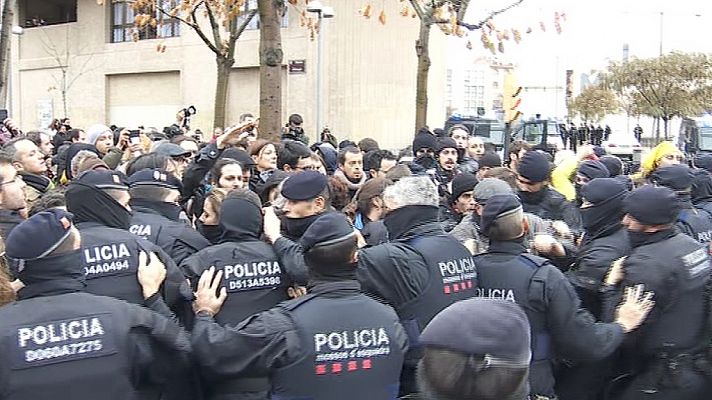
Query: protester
x,y
460,135
486,162
29,161
459,203
446,169
293,156
264,155
475,147
350,170
377,163
13,206
370,210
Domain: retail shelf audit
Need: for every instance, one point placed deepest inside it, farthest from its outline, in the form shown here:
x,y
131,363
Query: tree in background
x,y
665,87
226,21
271,57
8,8
594,103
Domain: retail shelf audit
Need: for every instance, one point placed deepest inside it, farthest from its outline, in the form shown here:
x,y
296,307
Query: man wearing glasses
x,y
12,196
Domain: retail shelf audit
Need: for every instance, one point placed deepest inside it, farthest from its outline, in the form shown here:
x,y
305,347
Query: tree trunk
x,y
665,127
271,56
5,29
656,121
421,91
223,76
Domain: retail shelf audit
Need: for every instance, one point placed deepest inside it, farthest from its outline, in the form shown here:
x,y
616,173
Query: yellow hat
x,y
652,160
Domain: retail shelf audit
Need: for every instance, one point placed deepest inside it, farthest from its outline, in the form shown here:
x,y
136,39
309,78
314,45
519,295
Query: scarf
x,y
401,221
168,210
91,204
294,228
353,186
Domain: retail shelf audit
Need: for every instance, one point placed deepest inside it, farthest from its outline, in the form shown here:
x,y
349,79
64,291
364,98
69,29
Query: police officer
x,y
668,357
156,214
702,190
534,175
252,275
559,327
691,221
305,197
57,339
99,201
333,343
421,270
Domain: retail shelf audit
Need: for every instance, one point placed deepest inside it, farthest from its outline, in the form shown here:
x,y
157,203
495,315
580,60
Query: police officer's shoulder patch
x,y
59,341
697,262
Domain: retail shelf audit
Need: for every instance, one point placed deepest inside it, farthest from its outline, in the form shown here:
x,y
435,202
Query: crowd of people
x,y
142,265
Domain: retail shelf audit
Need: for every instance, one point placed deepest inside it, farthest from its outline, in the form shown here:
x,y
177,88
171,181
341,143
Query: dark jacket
x,y
267,343
553,206
159,223
571,330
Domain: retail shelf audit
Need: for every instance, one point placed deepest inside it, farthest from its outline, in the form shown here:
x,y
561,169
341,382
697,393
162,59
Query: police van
x,y
490,130
696,135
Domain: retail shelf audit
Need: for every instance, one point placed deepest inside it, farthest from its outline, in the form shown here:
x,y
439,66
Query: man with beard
x,y
252,277
424,145
605,240
459,203
156,214
537,197
30,164
691,221
560,328
370,211
99,201
447,165
350,170
460,135
306,196
294,131
13,206
377,163
421,270
669,357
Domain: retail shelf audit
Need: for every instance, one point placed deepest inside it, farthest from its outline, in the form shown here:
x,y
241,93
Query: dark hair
x,y
450,375
244,116
35,137
368,144
370,190
504,174
336,254
73,135
290,152
347,150
338,193
458,127
216,171
150,160
372,159
489,147
52,199
5,157
518,145
256,147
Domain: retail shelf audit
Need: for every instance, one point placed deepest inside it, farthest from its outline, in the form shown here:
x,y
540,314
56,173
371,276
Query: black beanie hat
x,y
613,164
676,177
600,190
652,205
490,159
462,183
593,169
704,161
534,166
424,140
446,143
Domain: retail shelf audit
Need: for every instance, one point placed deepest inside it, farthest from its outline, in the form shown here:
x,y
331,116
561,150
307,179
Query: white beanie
x,y
95,131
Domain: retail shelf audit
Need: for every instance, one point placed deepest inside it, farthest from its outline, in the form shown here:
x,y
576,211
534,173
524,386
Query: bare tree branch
x,y
236,32
215,27
474,27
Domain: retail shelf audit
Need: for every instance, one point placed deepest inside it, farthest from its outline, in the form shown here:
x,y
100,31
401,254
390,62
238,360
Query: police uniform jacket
x,y
695,223
554,206
176,238
332,343
560,328
420,272
252,275
110,261
593,260
676,268
77,345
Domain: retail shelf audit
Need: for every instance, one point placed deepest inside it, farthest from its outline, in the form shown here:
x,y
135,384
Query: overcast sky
x,y
594,32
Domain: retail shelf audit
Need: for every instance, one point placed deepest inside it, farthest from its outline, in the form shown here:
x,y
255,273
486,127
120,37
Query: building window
x,y
474,91
123,28
254,23
40,13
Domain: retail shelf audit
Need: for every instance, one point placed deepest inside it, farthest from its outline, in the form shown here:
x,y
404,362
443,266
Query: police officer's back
x,y
59,342
334,342
667,356
156,214
110,253
692,221
702,189
422,270
559,326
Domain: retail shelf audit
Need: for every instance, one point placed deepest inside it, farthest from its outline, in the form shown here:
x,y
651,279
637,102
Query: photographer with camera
x,y
294,131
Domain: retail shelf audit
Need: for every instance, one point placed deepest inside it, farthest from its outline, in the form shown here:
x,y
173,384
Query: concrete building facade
x,y
369,71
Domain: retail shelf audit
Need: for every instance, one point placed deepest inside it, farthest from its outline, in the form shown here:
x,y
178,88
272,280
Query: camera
x,y
187,113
